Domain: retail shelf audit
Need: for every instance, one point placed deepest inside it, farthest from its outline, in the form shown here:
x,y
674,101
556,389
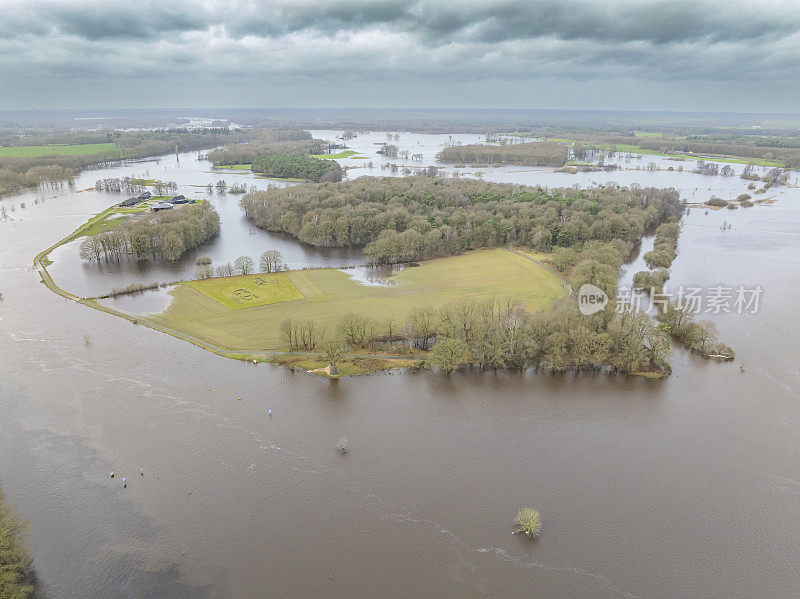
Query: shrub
x,y
202,260
343,445
715,201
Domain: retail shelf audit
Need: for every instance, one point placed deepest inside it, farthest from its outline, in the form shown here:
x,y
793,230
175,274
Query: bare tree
x,y
272,261
244,265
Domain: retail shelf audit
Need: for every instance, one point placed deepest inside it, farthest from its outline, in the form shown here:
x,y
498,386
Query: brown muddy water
x,y
687,487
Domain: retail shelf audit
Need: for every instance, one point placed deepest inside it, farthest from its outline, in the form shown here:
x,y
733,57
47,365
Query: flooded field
x,y
684,487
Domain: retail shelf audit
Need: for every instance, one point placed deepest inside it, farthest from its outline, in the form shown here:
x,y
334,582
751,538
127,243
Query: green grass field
x,y
66,150
343,154
207,310
248,291
236,167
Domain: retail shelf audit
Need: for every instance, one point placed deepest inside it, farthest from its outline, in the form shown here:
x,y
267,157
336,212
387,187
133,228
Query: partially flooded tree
x,y
172,248
528,522
448,354
333,355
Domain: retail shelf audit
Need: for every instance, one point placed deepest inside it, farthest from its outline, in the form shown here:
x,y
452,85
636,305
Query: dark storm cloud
x,y
99,20
412,44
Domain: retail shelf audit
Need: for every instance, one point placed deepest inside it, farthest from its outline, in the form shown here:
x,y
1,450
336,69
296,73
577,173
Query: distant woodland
x,y
541,153
17,173
266,142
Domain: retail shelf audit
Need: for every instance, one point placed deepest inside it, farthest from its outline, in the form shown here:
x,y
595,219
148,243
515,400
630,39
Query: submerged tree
x,y
528,522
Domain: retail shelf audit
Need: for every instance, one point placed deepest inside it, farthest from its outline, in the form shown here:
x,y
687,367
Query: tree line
x,y
17,173
269,261
134,185
415,218
700,336
711,146
163,235
499,335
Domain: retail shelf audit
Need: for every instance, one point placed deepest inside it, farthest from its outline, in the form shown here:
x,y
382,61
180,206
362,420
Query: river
x,y
684,487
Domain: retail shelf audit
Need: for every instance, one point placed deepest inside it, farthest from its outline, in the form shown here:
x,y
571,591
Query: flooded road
x,y
685,487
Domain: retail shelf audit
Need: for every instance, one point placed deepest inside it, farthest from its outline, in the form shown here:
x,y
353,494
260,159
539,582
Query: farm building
x,y
145,196
129,202
161,206
179,200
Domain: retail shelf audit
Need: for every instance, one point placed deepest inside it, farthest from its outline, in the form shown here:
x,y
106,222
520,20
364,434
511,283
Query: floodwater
x,y
685,487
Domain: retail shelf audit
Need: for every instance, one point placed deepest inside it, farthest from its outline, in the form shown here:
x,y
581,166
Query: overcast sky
x,y
603,54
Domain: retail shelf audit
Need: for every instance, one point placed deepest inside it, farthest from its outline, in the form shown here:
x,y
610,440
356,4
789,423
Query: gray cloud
x,y
694,51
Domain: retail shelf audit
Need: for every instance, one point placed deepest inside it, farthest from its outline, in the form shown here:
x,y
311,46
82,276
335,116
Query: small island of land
x,y
488,277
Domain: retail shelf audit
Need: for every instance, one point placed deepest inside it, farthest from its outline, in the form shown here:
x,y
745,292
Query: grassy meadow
x,y
248,291
342,154
209,311
63,150
235,167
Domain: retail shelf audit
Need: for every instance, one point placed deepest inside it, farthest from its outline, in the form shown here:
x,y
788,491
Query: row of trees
x,y
161,235
677,320
134,185
297,166
269,261
719,146
413,218
713,169
500,334
538,153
